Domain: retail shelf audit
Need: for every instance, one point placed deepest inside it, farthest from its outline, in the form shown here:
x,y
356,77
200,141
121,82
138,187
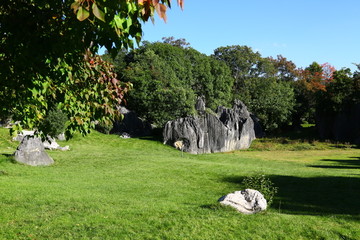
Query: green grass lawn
x,y
106,187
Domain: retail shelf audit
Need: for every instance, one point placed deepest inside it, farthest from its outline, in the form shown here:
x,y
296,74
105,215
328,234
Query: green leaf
x,y
82,14
129,22
35,92
119,21
138,37
98,13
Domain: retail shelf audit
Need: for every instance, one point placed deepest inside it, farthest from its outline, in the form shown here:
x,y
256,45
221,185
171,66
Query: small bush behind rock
x,y
54,123
104,128
263,184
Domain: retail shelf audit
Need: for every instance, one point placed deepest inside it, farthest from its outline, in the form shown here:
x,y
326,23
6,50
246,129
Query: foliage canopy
x,y
260,84
167,77
47,57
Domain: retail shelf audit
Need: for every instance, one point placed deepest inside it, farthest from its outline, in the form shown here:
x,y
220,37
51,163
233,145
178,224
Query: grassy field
x,y
112,188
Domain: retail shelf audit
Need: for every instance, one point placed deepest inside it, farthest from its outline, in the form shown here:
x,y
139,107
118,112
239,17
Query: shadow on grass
x,y
9,157
353,163
345,146
307,135
314,196
155,138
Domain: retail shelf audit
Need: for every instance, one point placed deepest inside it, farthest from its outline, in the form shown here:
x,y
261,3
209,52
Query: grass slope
x,y
112,188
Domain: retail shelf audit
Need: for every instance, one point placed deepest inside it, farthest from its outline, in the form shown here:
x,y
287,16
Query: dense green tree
x,y
304,108
285,70
47,57
168,77
223,82
118,62
337,108
242,61
341,93
272,101
312,82
158,94
258,85
176,42
211,79
356,78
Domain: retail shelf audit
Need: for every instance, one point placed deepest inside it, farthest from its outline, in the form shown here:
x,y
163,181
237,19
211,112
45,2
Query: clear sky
x,y
303,31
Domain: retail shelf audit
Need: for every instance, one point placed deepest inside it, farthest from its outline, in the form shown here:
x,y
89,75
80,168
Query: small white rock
x,y
247,201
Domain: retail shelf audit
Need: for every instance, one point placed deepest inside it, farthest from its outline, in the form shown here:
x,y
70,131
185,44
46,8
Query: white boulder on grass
x,y
247,201
50,144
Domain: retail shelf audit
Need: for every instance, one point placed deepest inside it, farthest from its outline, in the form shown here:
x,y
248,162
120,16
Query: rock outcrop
x,y
247,201
131,125
224,131
50,143
31,151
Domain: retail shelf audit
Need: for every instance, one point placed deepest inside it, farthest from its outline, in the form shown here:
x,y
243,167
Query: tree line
x,y
49,64
168,76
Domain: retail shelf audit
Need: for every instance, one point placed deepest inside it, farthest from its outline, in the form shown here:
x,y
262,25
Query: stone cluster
x,y
223,131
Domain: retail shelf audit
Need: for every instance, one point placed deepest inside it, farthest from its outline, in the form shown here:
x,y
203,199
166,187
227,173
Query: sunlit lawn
x,y
112,188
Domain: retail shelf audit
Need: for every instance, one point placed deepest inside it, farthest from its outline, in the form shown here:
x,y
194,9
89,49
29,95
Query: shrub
x,y
104,127
263,184
54,123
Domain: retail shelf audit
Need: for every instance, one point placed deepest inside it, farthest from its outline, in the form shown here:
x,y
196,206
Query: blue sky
x,y
303,31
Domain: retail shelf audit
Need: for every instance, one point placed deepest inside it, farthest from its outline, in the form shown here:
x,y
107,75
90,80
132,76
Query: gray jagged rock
x,y
247,201
200,105
227,130
31,151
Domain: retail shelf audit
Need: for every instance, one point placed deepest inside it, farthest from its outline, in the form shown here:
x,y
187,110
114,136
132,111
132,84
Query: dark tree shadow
x,y
9,157
315,195
353,163
7,154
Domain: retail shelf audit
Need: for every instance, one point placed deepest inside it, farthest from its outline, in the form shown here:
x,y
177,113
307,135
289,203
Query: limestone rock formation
x,y
224,131
131,125
200,105
247,201
31,151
